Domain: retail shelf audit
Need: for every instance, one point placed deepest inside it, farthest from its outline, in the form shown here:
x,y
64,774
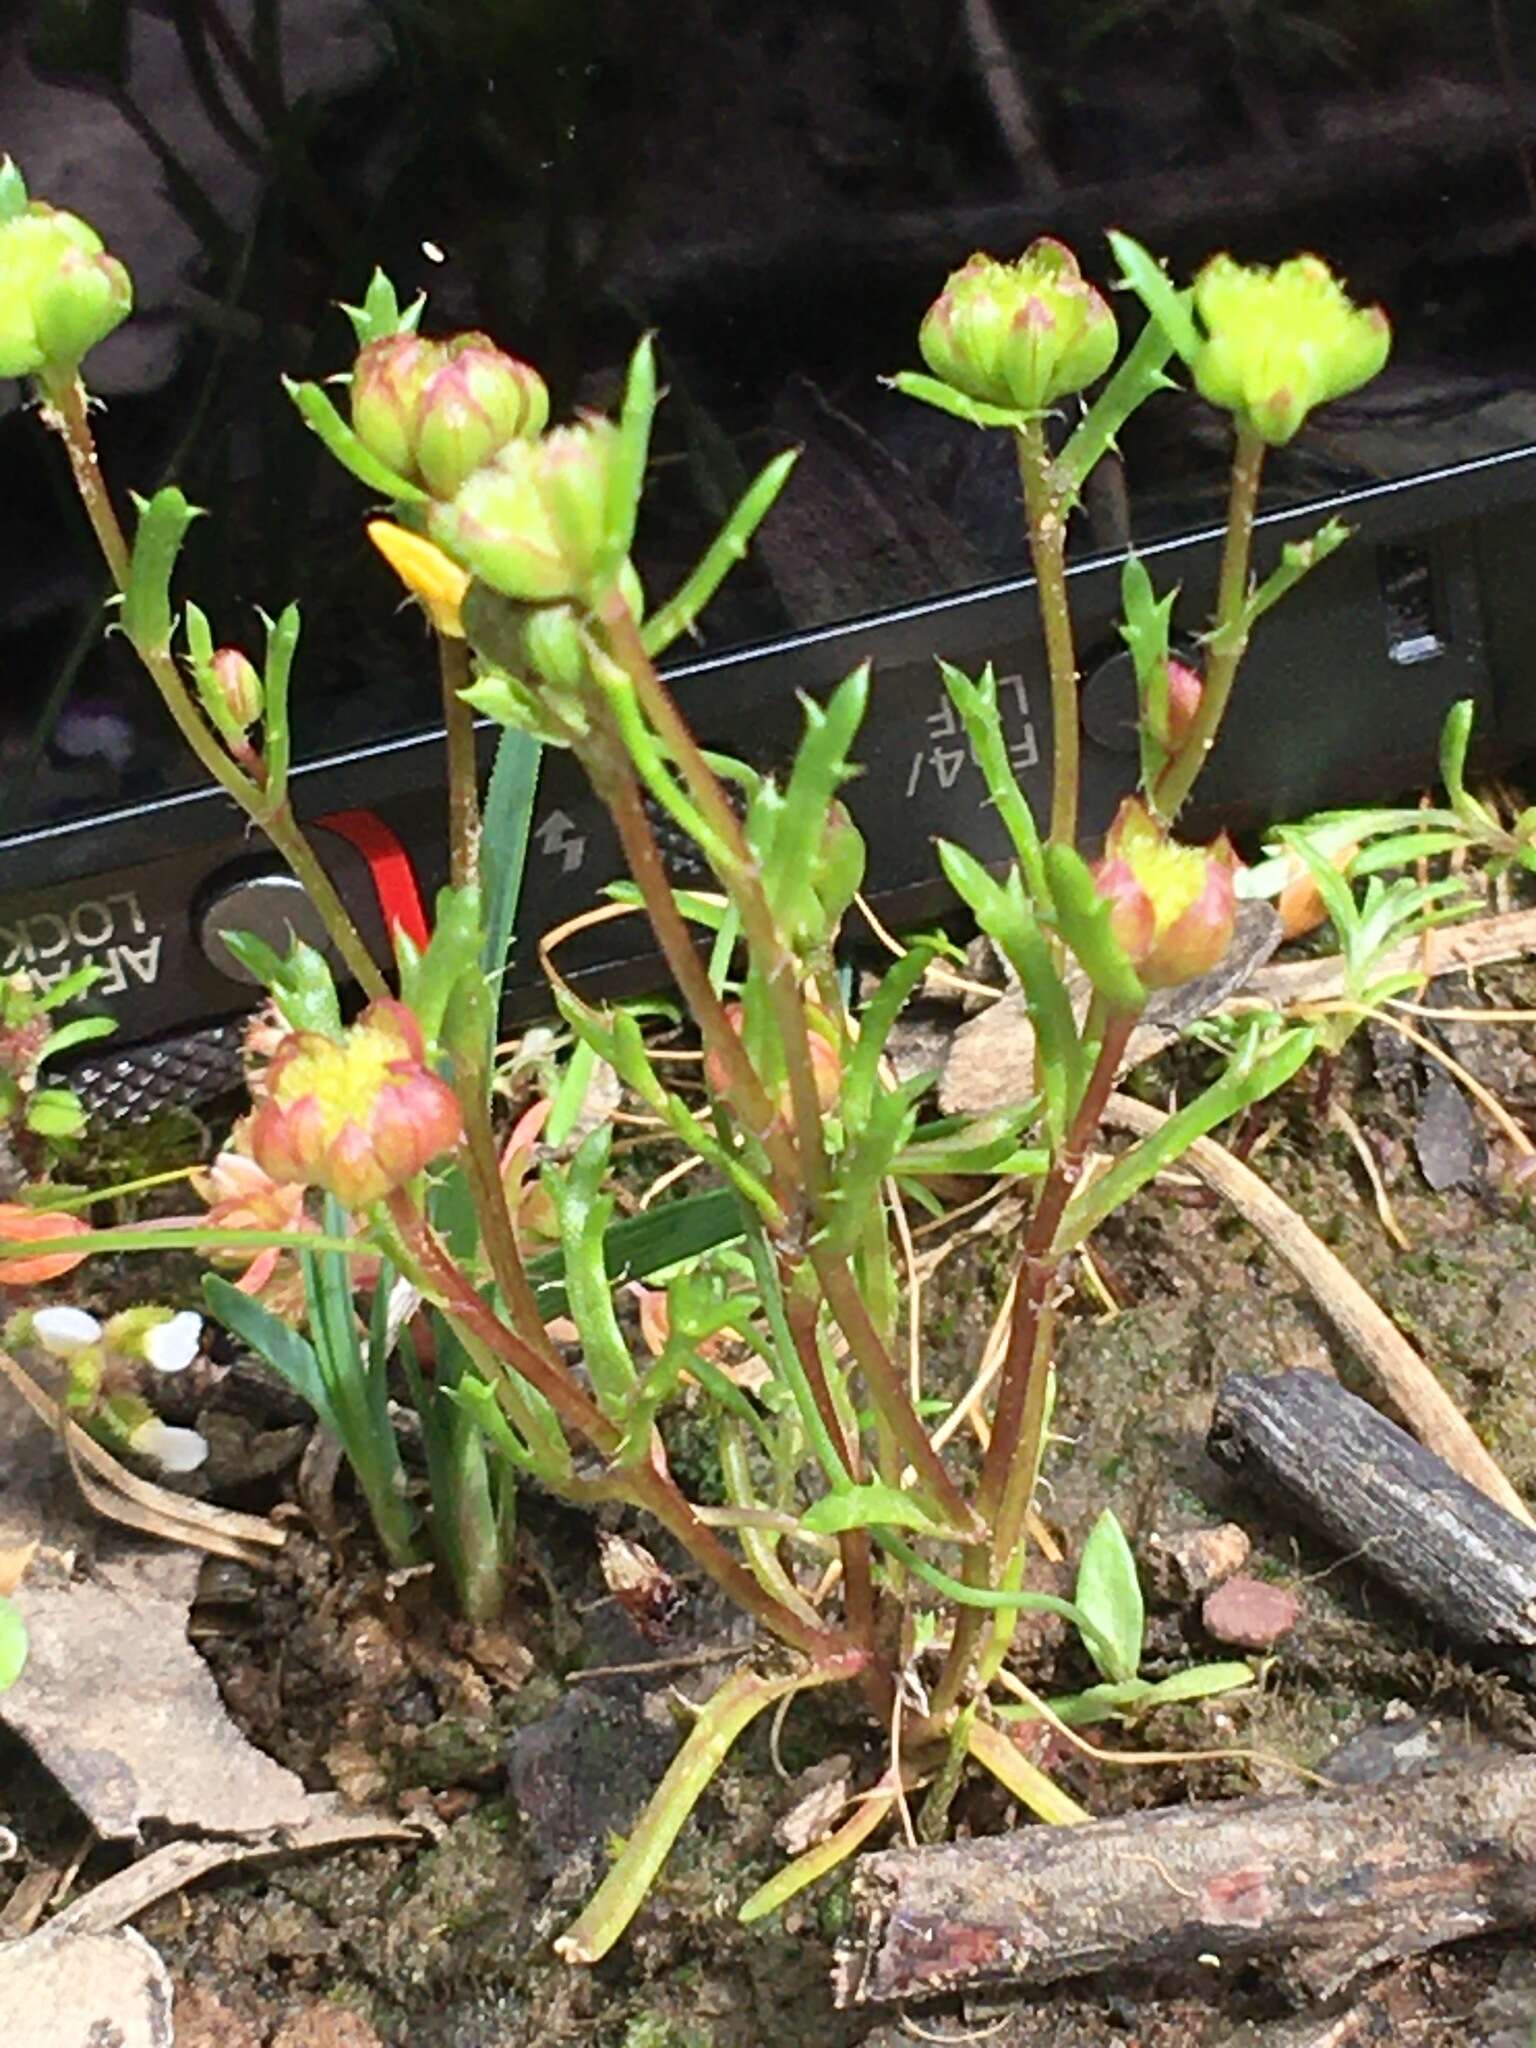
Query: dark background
x,y
779,189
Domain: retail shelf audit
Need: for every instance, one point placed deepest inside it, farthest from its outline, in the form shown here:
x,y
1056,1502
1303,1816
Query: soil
x,y
521,1763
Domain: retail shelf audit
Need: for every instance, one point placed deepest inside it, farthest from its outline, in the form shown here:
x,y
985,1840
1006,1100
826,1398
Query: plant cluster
x,y
438,1252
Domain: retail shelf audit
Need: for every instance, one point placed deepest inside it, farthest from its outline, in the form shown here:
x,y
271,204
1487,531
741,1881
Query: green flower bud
x,y
1019,334
531,523
239,687
388,379
59,294
478,401
80,304
1279,342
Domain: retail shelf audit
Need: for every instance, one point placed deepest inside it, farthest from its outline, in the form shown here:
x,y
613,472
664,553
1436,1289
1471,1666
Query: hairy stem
x,y
1229,637
1046,515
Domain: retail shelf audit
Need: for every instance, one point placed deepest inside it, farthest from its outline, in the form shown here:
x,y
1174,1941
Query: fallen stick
x,y
1382,1498
1323,1887
1369,1332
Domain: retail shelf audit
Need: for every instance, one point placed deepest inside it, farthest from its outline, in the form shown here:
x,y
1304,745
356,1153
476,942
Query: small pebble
x,y
1202,1558
1250,1614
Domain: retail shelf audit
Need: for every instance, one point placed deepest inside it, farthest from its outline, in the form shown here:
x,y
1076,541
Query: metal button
x,y
269,904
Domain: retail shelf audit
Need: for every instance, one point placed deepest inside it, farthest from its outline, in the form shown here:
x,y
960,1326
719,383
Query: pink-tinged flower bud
x,y
239,687
1279,342
532,522
478,401
1019,334
1172,907
59,292
388,380
360,1116
1184,692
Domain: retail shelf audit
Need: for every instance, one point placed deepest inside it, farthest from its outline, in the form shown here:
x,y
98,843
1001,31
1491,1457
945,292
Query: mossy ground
x,y
448,1945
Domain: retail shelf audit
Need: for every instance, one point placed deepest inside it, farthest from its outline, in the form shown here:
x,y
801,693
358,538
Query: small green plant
x,y
35,1118
374,1150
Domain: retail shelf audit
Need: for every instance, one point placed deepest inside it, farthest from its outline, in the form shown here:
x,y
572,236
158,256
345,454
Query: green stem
x,y
1046,514
1229,636
65,412
773,957
734,1707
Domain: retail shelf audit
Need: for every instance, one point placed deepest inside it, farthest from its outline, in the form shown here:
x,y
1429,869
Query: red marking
x,y
390,866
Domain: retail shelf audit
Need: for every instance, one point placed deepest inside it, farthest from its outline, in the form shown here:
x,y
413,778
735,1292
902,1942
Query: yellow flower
x,y
426,572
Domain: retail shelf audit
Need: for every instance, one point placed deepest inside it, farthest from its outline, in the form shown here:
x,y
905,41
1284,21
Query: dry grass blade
x,y
1341,1119
139,1503
1424,1404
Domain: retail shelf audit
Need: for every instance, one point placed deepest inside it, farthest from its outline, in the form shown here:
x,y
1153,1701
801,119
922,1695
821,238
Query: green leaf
x,y
379,315
626,472
55,1113
78,1031
290,1355
1109,1594
678,614
508,819
1005,915
318,414
282,641
638,1246
146,613
13,190
13,1643
976,703
1199,1682
945,398
1172,309
1147,632
584,1212
301,985
873,1505
861,1072
1083,917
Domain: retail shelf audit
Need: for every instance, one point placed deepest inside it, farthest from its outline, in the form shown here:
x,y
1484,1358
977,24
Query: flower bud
x,y
1279,342
388,380
1019,334
1184,692
239,687
86,297
1172,907
59,293
532,523
360,1116
478,401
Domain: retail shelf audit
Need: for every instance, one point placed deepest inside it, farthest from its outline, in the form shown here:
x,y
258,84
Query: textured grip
x,y
134,1083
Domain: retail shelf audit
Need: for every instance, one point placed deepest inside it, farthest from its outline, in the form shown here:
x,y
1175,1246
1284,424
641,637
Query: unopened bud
x,y
1019,334
1172,907
59,292
239,687
1279,342
532,523
469,409
1184,692
387,382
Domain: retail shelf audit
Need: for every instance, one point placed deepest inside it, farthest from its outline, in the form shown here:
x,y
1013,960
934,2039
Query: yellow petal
x,y
425,571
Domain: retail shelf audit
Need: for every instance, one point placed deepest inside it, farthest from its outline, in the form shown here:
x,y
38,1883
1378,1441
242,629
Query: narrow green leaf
x,y
290,1355
1083,918
678,614
321,416
869,1506
146,612
507,821
1172,309
944,398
